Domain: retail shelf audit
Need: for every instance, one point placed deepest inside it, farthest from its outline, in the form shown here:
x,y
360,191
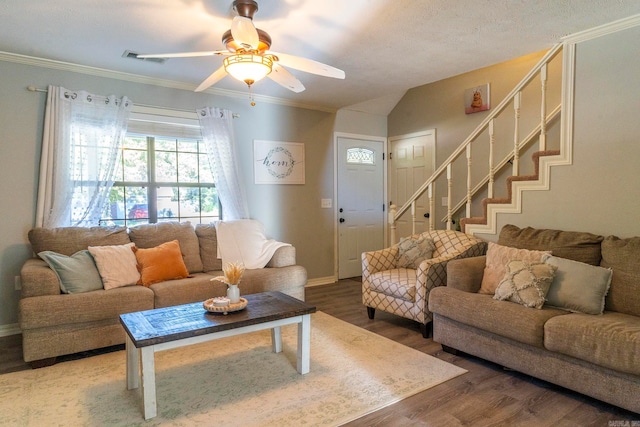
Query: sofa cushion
x,y
164,262
611,340
76,273
151,235
80,309
622,256
208,243
502,318
498,257
397,283
69,240
578,246
198,287
525,283
117,265
413,250
577,286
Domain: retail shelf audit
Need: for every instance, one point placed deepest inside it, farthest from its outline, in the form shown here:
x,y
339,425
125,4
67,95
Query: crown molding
x,y
603,30
137,78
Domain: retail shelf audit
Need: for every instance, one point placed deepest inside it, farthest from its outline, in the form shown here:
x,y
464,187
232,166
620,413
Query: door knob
x,y
341,210
341,219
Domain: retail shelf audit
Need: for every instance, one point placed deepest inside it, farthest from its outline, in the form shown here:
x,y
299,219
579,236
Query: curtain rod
x,y
35,89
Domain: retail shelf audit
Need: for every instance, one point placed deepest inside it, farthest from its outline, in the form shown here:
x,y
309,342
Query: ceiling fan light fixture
x,y
248,68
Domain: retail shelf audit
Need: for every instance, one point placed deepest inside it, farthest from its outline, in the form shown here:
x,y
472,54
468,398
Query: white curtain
x,y
81,142
217,133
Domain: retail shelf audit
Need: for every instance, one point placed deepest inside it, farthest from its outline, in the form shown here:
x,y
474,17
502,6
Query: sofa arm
x,y
38,279
284,256
466,274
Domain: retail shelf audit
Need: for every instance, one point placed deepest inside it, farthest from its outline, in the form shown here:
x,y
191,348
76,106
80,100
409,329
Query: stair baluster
x,y
516,133
449,194
543,108
468,207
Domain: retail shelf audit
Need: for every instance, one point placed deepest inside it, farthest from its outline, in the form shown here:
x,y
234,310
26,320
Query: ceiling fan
x,y
248,58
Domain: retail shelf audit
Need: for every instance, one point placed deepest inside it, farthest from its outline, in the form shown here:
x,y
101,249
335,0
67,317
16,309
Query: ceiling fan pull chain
x,y
253,103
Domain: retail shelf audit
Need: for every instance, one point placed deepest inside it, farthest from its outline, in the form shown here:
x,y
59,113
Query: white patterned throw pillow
x,y
117,265
413,250
525,283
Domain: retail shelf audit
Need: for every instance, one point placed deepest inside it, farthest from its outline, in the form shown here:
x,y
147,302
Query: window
x,y
162,178
361,156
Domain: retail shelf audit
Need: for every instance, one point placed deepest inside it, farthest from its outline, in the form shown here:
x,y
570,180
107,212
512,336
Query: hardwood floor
x,y
487,395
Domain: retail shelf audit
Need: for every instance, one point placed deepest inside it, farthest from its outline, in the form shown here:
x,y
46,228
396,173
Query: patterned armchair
x,y
404,291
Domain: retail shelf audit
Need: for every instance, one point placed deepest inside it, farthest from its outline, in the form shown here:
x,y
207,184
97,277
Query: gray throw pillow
x,y
77,273
577,286
413,250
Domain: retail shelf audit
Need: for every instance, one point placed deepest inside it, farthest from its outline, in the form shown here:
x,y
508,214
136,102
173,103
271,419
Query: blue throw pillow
x,y
77,273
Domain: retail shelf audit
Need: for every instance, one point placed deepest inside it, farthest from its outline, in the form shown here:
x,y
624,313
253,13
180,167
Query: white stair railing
x,y
488,124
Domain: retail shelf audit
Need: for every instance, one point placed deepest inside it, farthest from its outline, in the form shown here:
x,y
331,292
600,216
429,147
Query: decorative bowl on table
x,y
219,305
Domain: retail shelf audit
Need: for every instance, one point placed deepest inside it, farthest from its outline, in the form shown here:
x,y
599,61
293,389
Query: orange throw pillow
x,y
164,262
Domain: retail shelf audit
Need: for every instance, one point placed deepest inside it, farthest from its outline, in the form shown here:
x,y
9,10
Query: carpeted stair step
x,y
510,180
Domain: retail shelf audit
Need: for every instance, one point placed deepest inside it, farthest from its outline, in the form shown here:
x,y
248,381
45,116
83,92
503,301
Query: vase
x,y
233,293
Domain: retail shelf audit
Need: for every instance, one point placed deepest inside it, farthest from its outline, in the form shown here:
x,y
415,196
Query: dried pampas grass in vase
x,y
232,276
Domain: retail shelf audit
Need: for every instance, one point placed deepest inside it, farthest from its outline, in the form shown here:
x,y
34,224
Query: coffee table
x,y
148,332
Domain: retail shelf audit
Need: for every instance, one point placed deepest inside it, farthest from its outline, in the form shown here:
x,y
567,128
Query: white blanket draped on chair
x,y
244,241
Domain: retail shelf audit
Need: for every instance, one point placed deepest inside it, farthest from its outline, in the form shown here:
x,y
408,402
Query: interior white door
x,y
360,201
411,163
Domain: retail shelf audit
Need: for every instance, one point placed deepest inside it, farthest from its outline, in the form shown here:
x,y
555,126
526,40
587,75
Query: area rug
x,y
236,381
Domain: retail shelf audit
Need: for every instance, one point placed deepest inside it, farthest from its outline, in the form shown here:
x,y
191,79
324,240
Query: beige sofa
x,y
55,324
594,354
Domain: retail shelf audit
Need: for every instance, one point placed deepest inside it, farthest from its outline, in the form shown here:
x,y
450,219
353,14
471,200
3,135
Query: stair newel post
x,y
543,108
516,133
392,224
449,188
432,207
492,170
468,211
413,217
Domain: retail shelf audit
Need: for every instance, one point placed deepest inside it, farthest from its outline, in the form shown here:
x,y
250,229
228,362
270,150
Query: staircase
x,y
510,185
491,205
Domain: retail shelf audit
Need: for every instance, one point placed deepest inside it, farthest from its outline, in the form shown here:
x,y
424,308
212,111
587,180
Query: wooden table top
x,y
189,320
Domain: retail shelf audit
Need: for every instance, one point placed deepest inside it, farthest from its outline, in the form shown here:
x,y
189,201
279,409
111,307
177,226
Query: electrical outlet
x,y
17,283
445,201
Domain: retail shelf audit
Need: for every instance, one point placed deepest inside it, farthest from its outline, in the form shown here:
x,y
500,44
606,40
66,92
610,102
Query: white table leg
x,y
148,382
133,364
276,339
304,344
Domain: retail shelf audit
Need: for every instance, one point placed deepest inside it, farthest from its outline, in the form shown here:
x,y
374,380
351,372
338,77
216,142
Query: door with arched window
x,y
360,201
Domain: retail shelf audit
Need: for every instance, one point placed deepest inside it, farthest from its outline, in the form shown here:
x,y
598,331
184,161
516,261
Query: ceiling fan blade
x,y
284,78
307,65
184,54
214,78
244,32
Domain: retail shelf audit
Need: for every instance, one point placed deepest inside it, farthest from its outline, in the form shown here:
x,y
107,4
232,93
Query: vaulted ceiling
x,y
384,46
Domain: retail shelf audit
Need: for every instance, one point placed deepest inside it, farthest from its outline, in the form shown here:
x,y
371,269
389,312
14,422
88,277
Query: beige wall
x,y
600,192
290,213
440,106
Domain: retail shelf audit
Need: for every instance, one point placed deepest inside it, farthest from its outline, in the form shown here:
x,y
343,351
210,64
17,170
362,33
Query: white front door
x,y
360,201
411,163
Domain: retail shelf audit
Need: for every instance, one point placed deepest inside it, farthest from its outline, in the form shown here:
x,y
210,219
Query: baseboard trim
x,y
321,281
11,329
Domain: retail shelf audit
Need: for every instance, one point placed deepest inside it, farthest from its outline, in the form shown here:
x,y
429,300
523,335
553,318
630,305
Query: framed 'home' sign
x,y
278,162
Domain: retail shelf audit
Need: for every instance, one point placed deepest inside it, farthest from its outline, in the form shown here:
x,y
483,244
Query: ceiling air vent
x,y
134,55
